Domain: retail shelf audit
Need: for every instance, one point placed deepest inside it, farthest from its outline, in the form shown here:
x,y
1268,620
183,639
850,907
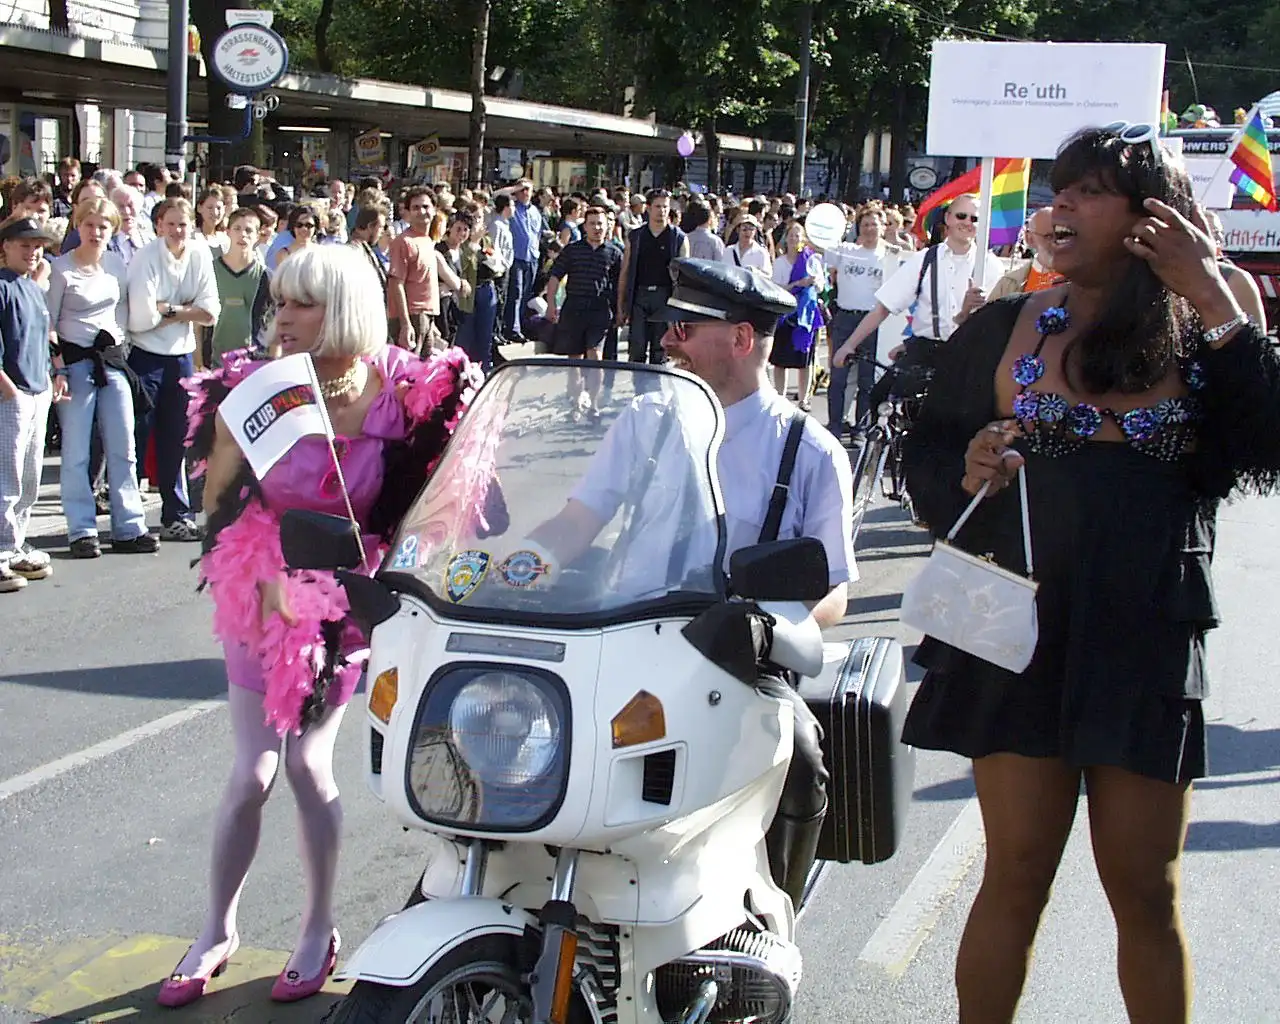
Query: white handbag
x,y
974,604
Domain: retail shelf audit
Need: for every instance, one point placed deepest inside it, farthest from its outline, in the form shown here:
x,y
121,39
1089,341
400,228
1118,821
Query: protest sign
x,y
1026,99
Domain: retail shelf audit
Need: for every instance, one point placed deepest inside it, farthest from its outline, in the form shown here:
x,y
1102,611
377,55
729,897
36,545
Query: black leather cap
x,y
710,290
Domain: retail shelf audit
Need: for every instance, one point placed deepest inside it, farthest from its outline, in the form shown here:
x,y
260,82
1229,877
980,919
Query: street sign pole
x,y
175,127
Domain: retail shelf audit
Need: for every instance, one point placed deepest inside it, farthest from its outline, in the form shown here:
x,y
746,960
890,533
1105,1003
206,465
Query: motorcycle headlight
x,y
490,748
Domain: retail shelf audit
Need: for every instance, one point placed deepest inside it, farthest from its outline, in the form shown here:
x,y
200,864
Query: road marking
x,y
25,781
108,978
895,943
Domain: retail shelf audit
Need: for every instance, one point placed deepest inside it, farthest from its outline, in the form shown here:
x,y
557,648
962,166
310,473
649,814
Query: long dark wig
x,y
1143,326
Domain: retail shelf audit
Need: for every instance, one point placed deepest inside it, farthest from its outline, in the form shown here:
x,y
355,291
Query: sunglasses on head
x,y
1136,134
966,216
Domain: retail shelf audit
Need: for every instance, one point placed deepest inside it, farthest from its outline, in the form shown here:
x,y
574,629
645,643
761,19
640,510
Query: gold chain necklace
x,y
338,386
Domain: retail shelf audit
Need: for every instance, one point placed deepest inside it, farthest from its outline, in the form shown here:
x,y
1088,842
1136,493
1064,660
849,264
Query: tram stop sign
x,y
250,58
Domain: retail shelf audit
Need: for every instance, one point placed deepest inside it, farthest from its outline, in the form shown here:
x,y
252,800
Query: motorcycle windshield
x,y
545,508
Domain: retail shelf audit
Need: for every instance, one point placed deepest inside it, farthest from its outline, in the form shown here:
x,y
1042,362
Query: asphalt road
x,y
114,747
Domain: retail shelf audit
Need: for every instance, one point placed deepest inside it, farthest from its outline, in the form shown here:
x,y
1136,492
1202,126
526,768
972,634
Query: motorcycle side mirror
x,y
316,540
781,570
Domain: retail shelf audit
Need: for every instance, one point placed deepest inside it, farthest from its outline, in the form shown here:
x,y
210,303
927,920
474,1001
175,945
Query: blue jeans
x,y
161,379
519,292
475,329
114,404
843,324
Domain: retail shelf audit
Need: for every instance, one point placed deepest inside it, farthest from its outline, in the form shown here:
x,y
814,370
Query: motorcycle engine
x,y
757,974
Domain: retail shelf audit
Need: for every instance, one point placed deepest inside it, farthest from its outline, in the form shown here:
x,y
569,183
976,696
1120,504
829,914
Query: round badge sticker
x,y
523,568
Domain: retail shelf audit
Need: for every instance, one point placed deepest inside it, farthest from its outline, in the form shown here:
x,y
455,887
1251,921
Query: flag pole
x,y
984,221
346,498
337,464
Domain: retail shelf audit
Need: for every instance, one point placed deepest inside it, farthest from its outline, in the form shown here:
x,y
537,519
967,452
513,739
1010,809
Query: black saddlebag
x,y
861,702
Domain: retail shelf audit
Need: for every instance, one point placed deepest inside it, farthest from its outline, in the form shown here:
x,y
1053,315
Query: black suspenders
x,y
781,489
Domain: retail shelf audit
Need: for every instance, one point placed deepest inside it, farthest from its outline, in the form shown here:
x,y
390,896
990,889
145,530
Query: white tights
x,y
308,765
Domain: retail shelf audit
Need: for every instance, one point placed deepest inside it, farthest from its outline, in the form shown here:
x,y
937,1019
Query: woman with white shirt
x,y
88,310
171,290
211,211
798,269
747,252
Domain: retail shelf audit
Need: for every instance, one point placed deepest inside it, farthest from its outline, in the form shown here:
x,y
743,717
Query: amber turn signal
x,y
641,721
385,692
564,989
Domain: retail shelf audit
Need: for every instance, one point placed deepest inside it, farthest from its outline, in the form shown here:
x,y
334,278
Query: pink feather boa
x,y
248,551
430,383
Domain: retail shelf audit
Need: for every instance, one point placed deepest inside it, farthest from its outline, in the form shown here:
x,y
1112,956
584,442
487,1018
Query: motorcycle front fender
x,y
404,945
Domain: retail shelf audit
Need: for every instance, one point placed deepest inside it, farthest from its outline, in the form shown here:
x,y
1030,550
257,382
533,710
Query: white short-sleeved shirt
x,y
954,271
819,504
859,274
757,257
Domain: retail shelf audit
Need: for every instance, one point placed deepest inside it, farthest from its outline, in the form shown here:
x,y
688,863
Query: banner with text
x,y
1211,181
1250,230
273,408
1026,99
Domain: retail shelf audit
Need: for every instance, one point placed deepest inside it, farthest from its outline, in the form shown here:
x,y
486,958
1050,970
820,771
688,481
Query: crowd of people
x,y
1118,365
145,281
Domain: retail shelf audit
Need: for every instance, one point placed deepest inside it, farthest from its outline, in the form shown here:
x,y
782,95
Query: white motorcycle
x,y
591,749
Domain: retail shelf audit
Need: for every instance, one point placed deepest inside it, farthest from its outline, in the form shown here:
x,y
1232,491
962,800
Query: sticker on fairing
x,y
523,568
464,573
406,556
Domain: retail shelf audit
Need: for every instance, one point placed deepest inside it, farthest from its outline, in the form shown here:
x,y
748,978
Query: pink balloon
x,y
685,145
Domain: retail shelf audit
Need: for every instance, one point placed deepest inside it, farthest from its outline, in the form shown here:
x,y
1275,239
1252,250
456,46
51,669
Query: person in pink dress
x,y
293,659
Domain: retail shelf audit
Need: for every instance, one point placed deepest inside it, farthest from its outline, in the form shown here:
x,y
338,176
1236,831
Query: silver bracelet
x,y
1215,334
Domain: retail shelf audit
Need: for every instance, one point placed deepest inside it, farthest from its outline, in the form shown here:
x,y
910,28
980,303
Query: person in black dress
x,y
1137,395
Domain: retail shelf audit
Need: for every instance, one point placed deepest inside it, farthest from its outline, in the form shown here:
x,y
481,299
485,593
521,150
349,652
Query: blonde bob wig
x,y
340,279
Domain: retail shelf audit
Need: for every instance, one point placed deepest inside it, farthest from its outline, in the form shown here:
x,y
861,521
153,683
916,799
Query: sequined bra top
x,y
1055,427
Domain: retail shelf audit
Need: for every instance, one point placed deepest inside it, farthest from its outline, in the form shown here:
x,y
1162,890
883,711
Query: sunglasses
x,y
1136,134
680,328
309,224
966,216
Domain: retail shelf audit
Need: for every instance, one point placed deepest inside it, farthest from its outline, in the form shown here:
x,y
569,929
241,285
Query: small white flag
x,y
273,408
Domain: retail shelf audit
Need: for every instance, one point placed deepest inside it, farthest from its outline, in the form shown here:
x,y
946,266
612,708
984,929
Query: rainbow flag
x,y
1253,174
1009,200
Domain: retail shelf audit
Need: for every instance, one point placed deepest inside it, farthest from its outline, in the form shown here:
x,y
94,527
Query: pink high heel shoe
x,y
179,989
290,988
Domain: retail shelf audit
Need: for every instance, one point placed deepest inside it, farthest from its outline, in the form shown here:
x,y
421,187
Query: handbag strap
x,y
1026,517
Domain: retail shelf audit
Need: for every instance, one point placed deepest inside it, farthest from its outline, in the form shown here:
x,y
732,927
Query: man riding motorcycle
x,y
782,475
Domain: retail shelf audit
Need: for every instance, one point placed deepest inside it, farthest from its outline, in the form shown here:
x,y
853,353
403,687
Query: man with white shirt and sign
x,y
942,282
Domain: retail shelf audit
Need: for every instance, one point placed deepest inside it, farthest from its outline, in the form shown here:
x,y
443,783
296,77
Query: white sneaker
x,y
10,581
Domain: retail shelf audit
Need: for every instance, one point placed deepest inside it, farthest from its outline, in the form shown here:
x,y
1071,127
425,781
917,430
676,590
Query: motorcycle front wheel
x,y
477,983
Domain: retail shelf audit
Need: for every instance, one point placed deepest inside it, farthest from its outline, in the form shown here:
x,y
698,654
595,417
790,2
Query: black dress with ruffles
x,y
1122,542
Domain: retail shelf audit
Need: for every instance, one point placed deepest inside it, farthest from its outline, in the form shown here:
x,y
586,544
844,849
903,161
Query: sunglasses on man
x,y
966,216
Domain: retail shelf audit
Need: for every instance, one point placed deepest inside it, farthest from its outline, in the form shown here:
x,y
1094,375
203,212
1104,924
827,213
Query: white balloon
x,y
825,225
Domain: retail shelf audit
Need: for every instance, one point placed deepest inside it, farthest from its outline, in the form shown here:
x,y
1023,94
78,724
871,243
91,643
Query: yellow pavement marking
x,y
111,978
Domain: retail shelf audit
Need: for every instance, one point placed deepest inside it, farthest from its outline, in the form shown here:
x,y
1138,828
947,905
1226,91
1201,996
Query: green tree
x,y
708,63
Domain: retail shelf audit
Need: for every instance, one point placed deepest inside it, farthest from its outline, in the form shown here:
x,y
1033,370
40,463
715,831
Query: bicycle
x,y
883,438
